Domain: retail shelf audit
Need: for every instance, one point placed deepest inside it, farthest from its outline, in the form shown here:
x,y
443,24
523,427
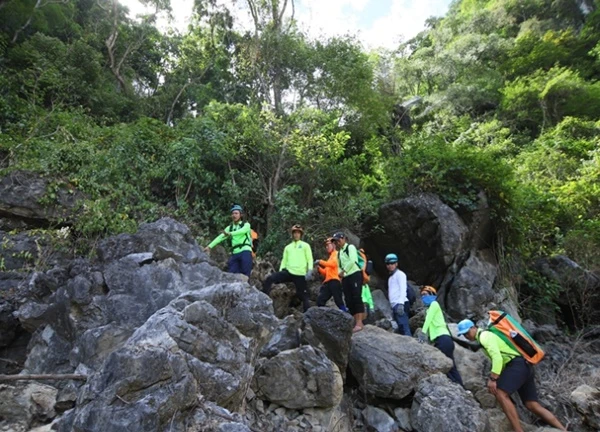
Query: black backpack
x,y
410,293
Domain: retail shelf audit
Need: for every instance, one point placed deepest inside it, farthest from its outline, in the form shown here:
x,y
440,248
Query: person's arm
x,y
488,342
243,231
284,259
403,293
218,239
309,257
431,312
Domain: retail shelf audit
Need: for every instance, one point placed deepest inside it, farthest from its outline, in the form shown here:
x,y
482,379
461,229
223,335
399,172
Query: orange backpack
x,y
511,332
254,237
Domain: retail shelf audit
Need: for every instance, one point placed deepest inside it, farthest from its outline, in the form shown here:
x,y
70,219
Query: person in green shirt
x,y
436,329
510,373
295,267
239,232
352,280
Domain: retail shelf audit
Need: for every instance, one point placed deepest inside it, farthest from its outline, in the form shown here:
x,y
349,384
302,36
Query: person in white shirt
x,y
398,295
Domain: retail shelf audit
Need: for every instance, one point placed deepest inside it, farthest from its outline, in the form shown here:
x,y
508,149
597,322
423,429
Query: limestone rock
x,y
300,378
441,405
390,366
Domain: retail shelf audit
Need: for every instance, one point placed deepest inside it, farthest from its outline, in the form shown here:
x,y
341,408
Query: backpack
x,y
255,241
511,332
363,263
410,293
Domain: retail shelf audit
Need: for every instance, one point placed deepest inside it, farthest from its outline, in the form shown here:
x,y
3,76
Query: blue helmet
x,y
391,258
464,326
236,207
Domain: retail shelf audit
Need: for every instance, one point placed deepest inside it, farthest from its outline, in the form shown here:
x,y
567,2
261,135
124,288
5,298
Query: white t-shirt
x,y
397,288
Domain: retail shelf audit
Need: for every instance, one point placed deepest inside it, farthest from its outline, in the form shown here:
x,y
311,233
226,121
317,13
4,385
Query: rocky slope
x,y
166,341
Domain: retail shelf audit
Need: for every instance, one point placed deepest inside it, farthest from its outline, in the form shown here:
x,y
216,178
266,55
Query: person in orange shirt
x,y
332,285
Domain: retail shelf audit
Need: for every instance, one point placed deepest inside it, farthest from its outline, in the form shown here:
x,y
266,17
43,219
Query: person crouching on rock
x,y
296,265
436,329
351,276
398,294
240,239
332,285
510,373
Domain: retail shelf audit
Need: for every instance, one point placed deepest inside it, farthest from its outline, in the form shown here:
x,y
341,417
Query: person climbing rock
x,y
351,275
296,264
436,329
510,373
238,233
332,285
397,294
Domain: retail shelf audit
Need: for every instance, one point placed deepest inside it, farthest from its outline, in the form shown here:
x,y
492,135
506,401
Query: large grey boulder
x,y
331,331
300,378
426,234
205,343
587,401
390,366
472,290
26,196
441,405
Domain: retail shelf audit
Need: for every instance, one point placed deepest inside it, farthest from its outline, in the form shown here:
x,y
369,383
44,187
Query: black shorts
x,y
518,376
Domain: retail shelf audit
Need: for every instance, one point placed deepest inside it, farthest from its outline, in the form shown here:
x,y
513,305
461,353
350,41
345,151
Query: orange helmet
x,y
428,289
297,228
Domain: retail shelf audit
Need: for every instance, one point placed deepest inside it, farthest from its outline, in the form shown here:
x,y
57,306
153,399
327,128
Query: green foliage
x,y
310,131
457,172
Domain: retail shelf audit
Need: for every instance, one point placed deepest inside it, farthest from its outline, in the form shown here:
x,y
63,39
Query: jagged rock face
x,y
441,405
390,366
425,233
22,196
331,331
203,344
285,337
471,291
165,238
300,378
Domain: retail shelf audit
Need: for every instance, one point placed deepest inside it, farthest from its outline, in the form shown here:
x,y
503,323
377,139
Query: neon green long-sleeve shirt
x,y
348,257
435,324
297,258
496,349
241,239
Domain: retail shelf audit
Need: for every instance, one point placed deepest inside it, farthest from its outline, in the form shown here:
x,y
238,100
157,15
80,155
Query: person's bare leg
x,y
544,414
359,324
509,409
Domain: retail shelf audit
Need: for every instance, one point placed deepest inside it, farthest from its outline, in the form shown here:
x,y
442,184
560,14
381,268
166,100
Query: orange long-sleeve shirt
x,y
329,268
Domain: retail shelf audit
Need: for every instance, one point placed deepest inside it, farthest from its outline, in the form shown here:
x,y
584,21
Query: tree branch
x,y
7,378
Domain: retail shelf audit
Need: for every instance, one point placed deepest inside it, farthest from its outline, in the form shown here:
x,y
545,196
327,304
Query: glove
x,y
422,338
316,262
309,275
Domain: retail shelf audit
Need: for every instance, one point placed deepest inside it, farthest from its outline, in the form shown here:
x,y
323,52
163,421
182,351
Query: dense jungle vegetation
x,y
311,131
